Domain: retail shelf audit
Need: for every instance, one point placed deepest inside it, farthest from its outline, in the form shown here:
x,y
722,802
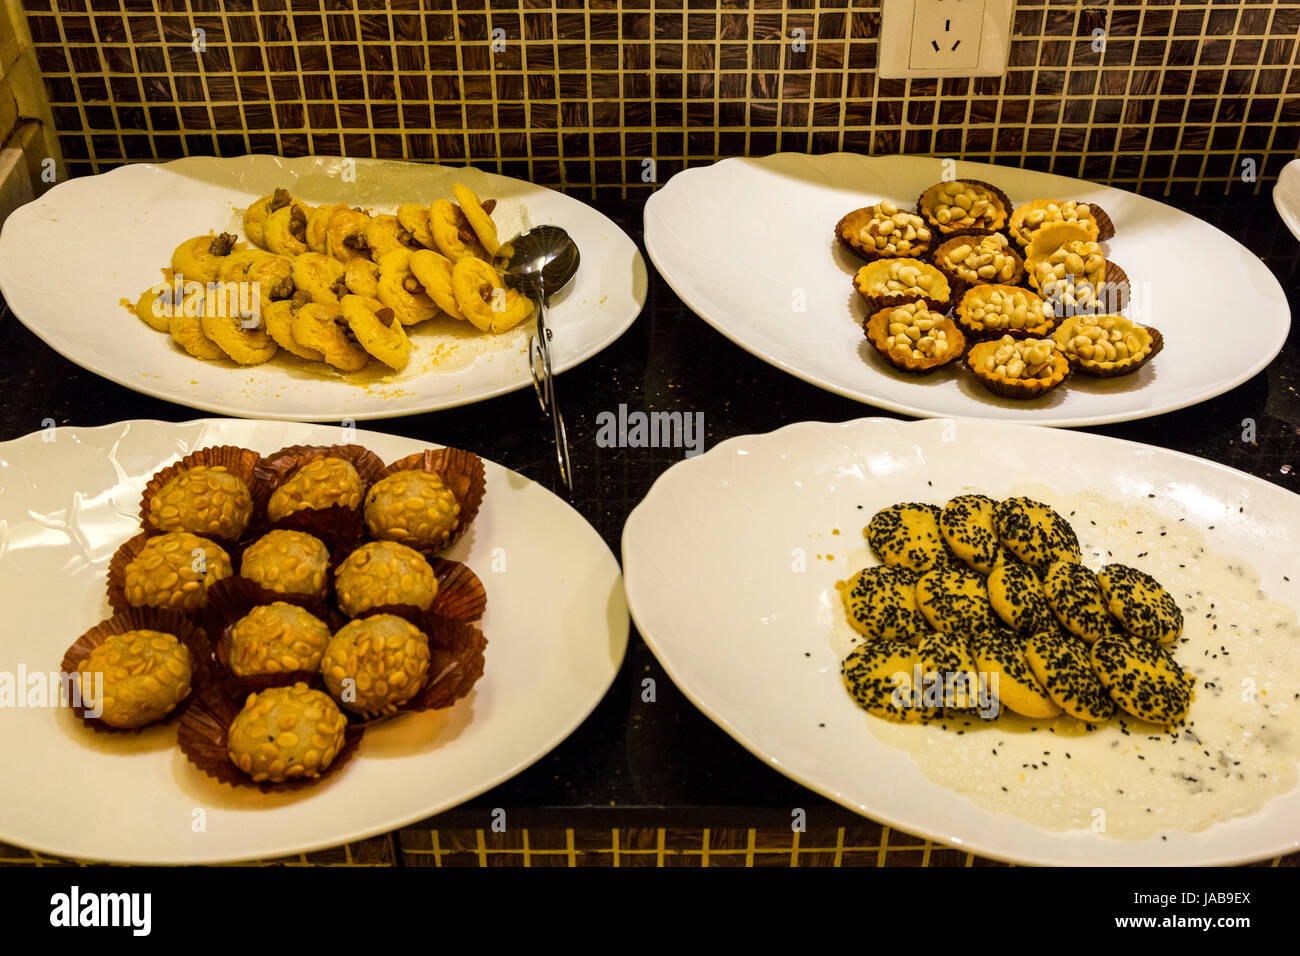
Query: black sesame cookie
x,y
1063,665
947,658
1016,593
1035,533
880,603
907,535
1143,678
1144,607
1001,659
1075,598
955,600
879,676
966,523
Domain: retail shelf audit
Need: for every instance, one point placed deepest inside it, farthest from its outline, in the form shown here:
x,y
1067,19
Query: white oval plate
x,y
1286,196
707,562
746,242
556,625
67,259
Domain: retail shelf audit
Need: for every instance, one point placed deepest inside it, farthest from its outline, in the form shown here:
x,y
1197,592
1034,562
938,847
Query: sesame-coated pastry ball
x,y
321,483
380,573
284,733
174,571
137,677
206,499
290,562
413,507
375,664
275,638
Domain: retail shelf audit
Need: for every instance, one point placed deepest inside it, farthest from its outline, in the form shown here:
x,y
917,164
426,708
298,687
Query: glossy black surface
x,y
666,754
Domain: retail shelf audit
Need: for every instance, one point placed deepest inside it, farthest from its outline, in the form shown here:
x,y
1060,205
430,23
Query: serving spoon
x,y
543,261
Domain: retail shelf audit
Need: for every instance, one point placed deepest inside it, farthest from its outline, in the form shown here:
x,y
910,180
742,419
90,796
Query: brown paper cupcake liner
x,y
456,660
115,582
241,462
1105,225
461,471
231,599
203,736
1002,197
276,468
461,597
203,666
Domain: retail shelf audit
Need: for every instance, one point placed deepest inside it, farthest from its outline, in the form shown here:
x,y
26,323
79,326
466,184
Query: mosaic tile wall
x,y
579,94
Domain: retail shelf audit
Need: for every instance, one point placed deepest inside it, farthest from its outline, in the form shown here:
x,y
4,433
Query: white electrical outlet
x,y
944,38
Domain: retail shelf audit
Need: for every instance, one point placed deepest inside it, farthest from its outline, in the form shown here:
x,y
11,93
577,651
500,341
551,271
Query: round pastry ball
x,y
413,507
384,572
321,483
375,664
284,733
206,499
275,638
137,677
175,571
289,562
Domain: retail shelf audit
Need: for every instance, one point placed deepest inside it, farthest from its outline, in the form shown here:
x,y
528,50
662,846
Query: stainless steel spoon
x,y
543,261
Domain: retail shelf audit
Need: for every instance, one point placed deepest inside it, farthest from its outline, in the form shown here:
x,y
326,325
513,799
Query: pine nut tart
x,y
1028,219
974,259
1018,368
914,337
889,282
994,310
1107,345
964,207
883,231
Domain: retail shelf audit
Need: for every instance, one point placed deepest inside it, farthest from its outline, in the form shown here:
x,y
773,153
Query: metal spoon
x,y
543,261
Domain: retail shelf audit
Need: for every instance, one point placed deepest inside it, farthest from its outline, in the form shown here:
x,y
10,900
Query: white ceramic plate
x,y
1286,196
67,259
749,245
709,560
556,625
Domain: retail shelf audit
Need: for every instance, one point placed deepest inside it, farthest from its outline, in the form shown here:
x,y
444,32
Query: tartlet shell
x,y
938,228
1019,389
877,331
954,278
878,301
918,250
1105,225
978,334
1088,367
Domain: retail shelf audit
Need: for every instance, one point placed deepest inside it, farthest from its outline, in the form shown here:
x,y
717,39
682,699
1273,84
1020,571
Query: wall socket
x,y
944,38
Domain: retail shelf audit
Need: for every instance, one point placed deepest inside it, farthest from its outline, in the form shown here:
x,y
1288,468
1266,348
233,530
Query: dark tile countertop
x,y
666,756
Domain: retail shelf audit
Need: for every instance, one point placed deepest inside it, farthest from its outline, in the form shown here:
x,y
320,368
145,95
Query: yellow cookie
x,y
320,276
322,327
152,311
362,277
908,535
1000,657
484,228
452,233
285,232
880,677
433,271
1016,594
880,603
1063,665
345,234
484,299
955,601
384,234
949,676
247,346
966,523
402,293
256,214
1035,533
414,218
378,330
1143,678
317,222
187,330
1075,598
277,319
199,259
1141,604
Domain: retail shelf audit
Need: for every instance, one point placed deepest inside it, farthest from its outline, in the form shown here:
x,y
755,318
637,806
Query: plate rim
x,y
360,833
656,254
976,844
640,274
